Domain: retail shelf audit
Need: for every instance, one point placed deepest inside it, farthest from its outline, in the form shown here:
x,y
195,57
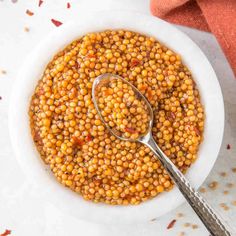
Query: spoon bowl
x,y
104,80
207,215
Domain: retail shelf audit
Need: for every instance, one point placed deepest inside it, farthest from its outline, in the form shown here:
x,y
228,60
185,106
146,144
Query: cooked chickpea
x,y
72,140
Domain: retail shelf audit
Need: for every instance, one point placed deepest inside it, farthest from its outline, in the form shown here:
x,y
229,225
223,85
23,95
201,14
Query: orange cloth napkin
x,y
216,16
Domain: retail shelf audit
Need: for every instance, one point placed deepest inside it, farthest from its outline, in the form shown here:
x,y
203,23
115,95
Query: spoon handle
x,y
207,215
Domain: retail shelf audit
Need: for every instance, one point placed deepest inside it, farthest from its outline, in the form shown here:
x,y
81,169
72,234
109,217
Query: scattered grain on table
x,y
26,29
194,226
181,234
226,192
229,185
187,224
223,174
213,185
3,72
234,170
233,203
224,206
202,190
179,215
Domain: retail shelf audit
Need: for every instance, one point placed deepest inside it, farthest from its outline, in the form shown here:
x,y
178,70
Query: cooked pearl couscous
x,y
121,109
73,141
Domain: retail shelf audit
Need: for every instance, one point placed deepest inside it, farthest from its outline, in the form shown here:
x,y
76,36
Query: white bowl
x,y
31,72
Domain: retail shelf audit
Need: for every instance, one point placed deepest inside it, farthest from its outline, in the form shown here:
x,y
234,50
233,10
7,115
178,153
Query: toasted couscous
x,y
73,141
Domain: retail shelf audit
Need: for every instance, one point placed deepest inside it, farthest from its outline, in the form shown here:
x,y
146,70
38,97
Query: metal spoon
x,y
207,215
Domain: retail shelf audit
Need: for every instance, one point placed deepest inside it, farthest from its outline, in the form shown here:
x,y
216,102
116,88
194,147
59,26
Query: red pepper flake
x,y
7,232
78,141
130,130
171,224
107,92
171,116
0,98
68,5
197,131
134,62
56,22
40,3
149,94
30,13
143,87
90,56
89,137
228,146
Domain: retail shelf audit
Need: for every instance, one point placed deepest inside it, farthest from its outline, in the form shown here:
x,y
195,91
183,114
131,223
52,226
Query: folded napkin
x,y
216,16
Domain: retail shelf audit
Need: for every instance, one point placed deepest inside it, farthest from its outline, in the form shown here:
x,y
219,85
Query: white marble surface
x,y
20,208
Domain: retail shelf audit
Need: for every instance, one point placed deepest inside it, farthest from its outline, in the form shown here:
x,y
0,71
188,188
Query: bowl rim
x,y
25,151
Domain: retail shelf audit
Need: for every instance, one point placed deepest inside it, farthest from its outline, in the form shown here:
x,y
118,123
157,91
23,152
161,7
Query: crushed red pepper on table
x,y
29,13
56,22
40,3
68,5
7,232
171,224
228,146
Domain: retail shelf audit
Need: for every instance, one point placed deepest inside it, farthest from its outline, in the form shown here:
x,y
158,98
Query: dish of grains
x,y
73,141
